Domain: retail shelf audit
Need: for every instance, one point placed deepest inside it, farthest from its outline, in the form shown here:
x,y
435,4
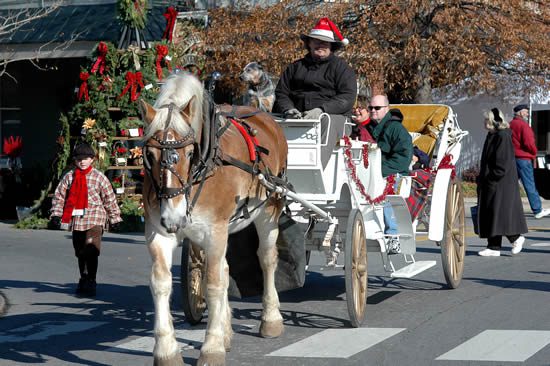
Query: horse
x,y
202,183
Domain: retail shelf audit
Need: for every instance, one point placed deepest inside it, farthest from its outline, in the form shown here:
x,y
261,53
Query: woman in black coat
x,y
500,211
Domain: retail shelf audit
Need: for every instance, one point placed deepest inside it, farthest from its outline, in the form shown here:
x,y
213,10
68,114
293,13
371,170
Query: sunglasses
x,y
377,107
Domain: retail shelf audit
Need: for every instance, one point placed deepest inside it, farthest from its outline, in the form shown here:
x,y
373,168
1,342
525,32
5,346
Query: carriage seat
x,y
425,121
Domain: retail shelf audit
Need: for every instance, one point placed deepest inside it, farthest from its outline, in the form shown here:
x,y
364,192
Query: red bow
x,y
170,16
132,83
100,62
83,90
162,52
13,146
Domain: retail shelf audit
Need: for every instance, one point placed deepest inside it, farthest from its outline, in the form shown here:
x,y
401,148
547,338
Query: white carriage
x,y
340,205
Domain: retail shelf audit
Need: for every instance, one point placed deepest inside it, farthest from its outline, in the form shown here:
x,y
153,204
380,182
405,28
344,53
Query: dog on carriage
x,y
260,88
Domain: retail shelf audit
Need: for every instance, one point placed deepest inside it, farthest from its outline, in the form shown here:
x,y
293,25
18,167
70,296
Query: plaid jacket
x,y
102,203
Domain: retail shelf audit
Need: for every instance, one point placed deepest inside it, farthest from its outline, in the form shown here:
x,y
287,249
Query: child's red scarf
x,y
77,198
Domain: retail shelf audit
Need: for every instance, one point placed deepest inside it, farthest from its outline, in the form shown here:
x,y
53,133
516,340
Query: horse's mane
x,y
178,89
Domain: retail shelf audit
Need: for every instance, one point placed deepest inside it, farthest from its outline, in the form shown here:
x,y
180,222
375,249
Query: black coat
x,y
329,84
500,211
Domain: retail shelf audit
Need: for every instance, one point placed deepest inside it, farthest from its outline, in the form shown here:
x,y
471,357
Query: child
x,y
82,202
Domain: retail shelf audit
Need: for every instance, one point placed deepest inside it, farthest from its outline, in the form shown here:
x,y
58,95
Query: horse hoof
x,y
271,329
227,344
211,359
175,360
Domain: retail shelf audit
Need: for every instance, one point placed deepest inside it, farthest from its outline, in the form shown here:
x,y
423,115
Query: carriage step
x,y
413,269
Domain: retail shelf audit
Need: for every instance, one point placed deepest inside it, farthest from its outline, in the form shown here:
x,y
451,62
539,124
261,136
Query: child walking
x,y
82,202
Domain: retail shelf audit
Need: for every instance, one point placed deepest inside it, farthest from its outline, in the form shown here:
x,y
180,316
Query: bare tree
x,y
14,20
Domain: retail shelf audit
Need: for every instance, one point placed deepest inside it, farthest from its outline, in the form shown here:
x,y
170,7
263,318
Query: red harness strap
x,y
251,141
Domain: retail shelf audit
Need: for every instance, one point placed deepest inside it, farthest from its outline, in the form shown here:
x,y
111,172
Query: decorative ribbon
x,y
445,163
132,83
390,180
134,50
100,63
83,90
170,15
162,52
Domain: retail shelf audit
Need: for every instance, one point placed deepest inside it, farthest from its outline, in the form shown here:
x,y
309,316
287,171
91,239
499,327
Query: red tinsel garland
x,y
170,15
162,52
83,90
390,180
101,60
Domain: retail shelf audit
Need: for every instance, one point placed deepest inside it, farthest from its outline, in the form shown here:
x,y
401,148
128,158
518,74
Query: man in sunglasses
x,y
395,142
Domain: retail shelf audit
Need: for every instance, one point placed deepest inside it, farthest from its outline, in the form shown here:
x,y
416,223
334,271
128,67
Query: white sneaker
x,y
489,253
544,212
517,246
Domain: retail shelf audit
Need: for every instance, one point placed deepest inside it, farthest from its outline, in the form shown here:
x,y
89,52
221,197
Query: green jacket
x,y
395,143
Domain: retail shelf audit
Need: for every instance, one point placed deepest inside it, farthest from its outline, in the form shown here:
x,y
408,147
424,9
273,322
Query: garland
x,y
133,13
390,180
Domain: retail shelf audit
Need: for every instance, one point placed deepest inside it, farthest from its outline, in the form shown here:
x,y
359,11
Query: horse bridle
x,y
169,157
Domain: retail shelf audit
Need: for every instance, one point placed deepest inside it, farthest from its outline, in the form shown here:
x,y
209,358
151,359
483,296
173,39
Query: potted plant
x,y
131,127
119,154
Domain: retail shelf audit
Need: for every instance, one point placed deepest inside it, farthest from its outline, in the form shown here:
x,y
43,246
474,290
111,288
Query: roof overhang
x,y
26,51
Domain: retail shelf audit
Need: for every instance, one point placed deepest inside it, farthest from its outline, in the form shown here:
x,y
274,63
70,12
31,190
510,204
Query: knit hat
x,y
326,30
82,151
519,107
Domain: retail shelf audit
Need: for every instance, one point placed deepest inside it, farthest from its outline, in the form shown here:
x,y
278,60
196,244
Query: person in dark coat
x,y
500,211
320,82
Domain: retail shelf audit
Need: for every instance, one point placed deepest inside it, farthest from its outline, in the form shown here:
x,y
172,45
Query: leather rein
x,y
199,169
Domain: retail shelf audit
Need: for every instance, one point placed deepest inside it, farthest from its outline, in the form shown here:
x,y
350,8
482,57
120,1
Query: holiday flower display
x,y
13,146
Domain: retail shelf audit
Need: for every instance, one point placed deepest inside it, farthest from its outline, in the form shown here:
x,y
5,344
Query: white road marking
x,y
186,337
540,245
337,343
43,330
500,345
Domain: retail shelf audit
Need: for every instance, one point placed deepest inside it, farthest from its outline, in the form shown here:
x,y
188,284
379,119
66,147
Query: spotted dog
x,y
261,91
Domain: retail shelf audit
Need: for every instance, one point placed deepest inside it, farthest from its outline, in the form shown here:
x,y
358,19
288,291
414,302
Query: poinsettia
x,y
13,146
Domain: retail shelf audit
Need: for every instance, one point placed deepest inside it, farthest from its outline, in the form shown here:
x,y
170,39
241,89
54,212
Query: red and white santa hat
x,y
326,30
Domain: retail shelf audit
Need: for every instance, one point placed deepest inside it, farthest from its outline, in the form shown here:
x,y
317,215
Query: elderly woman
x,y
500,211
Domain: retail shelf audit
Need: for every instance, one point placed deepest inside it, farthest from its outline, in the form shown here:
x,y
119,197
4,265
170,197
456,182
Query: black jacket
x,y
329,84
500,211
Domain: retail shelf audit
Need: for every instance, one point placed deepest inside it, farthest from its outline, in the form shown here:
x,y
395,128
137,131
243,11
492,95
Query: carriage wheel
x,y
356,268
193,288
453,246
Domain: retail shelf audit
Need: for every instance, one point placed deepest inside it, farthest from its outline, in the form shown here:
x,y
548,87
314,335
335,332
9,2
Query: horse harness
x,y
204,164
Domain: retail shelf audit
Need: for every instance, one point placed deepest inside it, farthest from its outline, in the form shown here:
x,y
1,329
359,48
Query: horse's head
x,y
169,153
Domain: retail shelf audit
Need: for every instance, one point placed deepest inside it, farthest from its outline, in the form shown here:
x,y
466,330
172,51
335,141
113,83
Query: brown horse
x,y
206,197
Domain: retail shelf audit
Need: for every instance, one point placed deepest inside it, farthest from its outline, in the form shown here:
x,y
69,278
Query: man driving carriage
x,y
320,82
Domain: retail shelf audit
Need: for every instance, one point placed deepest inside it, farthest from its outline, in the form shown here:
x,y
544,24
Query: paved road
x,y
500,315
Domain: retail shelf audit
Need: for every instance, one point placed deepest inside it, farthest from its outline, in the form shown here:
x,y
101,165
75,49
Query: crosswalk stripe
x,y
500,345
337,343
186,336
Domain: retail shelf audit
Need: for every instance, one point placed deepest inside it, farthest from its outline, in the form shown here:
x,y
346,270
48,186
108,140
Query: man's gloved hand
x,y
115,227
54,223
313,113
293,113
